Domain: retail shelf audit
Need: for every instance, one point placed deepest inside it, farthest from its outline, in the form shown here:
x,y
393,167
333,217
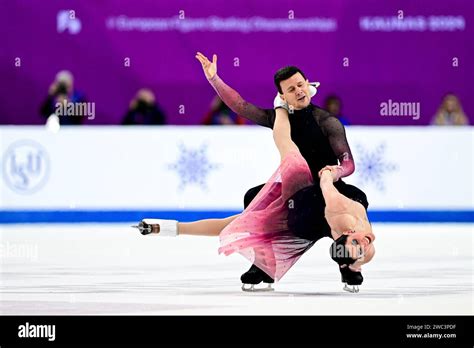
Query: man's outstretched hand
x,y
209,68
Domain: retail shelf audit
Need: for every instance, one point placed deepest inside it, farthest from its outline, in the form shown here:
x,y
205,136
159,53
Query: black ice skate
x,y
351,279
255,276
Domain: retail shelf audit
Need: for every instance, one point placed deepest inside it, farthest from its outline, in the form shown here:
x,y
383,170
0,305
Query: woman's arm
x,y
326,179
334,130
282,133
240,106
231,97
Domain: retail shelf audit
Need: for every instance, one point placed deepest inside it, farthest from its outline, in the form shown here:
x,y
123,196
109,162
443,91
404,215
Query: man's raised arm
x,y
231,97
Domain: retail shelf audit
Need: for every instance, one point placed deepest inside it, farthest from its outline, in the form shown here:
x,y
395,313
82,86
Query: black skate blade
x,y
251,288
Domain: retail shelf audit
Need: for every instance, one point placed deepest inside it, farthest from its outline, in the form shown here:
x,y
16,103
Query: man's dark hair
x,y
284,74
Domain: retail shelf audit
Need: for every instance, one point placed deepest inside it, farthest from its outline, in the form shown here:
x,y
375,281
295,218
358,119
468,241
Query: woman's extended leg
x,y
208,227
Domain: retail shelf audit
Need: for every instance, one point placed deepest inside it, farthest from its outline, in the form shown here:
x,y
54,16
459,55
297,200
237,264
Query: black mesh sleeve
x,y
262,117
336,134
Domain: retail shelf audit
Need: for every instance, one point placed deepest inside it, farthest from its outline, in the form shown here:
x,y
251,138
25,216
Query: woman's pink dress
x,y
261,233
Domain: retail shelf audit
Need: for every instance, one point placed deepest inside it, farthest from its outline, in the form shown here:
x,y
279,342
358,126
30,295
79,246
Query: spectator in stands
x,y
144,110
220,114
62,90
333,104
450,112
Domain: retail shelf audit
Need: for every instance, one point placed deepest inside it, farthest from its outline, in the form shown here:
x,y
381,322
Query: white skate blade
x,y
252,288
354,289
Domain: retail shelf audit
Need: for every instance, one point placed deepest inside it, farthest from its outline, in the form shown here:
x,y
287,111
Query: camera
x,y
61,89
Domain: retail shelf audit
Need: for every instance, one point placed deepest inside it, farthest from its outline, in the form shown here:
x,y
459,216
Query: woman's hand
x,y
209,68
334,172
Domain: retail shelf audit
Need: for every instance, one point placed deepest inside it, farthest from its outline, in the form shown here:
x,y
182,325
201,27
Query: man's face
x,y
296,91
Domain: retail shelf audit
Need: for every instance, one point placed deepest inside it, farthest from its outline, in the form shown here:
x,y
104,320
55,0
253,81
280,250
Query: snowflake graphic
x,y
372,166
193,166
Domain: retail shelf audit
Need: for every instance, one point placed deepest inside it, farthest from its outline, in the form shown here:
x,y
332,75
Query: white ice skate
x,y
167,228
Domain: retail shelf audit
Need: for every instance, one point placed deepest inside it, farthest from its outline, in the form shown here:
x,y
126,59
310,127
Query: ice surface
x,y
112,269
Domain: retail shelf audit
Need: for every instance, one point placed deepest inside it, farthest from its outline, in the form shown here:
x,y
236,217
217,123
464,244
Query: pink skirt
x,y
261,232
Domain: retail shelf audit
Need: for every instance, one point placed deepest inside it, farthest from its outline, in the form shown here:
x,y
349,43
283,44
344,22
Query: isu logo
x,y
25,166
66,20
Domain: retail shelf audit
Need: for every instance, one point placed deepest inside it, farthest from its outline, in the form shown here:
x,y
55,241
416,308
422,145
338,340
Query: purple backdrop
x,y
406,62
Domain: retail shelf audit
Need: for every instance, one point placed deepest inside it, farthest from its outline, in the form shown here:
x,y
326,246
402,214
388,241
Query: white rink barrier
x,y
83,173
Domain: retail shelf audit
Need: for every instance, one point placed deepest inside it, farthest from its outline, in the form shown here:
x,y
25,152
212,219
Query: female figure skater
x,y
262,232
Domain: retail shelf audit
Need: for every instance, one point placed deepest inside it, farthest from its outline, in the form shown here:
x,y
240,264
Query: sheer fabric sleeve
x,y
241,107
336,134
